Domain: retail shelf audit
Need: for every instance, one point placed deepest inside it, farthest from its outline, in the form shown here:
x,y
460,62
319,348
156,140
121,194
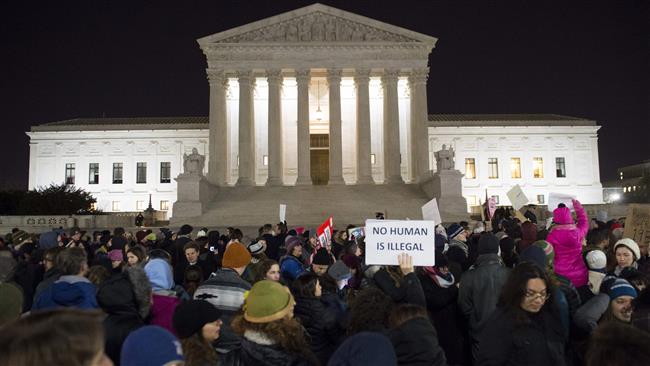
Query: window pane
x,y
515,167
69,173
141,173
165,172
560,168
93,173
493,168
164,205
540,199
538,168
470,168
117,174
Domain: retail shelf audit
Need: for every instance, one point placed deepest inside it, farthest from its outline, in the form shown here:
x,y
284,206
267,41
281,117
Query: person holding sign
x,y
400,282
566,239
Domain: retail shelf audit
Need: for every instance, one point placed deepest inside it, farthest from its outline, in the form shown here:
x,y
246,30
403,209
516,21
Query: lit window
x,y
624,189
93,206
116,205
470,168
164,205
515,167
540,199
93,173
373,159
538,168
139,205
560,169
165,172
141,173
69,173
496,199
265,160
493,168
620,174
117,173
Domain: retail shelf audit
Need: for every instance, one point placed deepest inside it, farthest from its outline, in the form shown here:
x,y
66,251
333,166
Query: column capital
x,y
303,76
361,76
217,77
390,76
274,76
334,76
420,75
245,76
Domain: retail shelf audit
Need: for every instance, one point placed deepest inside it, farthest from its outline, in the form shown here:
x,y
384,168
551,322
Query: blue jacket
x,y
68,291
290,268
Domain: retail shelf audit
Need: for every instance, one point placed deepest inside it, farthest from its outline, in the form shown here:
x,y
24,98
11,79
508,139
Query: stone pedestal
x,y
445,186
194,193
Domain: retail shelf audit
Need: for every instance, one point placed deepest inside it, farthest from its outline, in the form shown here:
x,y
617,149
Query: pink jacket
x,y
566,239
162,311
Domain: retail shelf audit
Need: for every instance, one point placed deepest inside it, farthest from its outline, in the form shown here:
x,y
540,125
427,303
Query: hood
x,y
562,216
66,293
160,274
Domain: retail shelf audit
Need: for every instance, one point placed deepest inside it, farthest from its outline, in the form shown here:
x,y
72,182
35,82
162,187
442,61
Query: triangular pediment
x,y
317,23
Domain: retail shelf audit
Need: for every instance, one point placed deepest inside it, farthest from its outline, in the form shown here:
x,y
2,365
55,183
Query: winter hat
x,y
454,230
621,287
548,251
202,233
596,260
191,316
562,215
339,271
185,230
116,255
236,256
118,242
48,240
365,348
11,302
256,247
160,274
534,255
151,345
631,245
323,258
151,237
488,244
267,301
19,237
291,242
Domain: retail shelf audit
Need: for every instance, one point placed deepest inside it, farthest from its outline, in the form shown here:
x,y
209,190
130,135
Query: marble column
x,y
392,171
304,173
335,138
218,140
364,168
274,78
419,125
246,129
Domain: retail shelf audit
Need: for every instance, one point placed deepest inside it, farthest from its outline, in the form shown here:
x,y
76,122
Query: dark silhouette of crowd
x,y
501,292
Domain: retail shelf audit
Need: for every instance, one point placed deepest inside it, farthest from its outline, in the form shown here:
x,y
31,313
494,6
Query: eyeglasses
x,y
532,295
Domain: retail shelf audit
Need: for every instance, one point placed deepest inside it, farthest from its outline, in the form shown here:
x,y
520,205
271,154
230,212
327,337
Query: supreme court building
x,y
317,97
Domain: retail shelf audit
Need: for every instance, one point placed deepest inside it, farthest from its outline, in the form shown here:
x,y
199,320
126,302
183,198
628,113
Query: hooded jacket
x,y
566,239
68,291
164,300
321,324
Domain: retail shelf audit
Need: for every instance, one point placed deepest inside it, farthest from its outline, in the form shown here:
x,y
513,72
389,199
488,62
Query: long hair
x,y
405,312
514,290
198,351
305,285
261,268
369,310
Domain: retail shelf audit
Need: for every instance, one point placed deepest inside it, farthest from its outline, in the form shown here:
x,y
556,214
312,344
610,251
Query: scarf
x,y
441,280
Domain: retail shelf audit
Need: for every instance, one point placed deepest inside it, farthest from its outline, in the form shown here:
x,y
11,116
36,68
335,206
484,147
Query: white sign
x,y
430,211
283,212
385,239
517,197
555,199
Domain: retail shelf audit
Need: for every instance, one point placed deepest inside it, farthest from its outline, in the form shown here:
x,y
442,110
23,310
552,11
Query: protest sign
x,y
430,211
517,197
555,199
325,232
385,239
283,212
637,223
492,207
356,232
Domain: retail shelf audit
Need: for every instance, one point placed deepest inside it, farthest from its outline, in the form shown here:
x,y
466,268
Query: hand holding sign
x,y
405,263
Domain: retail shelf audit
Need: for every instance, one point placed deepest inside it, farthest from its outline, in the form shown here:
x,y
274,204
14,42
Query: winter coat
x,y
225,290
416,343
163,305
49,277
409,291
321,324
252,353
566,240
479,292
290,268
587,316
68,291
541,341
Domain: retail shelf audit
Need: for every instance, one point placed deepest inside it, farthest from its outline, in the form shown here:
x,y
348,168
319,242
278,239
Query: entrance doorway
x,y
319,158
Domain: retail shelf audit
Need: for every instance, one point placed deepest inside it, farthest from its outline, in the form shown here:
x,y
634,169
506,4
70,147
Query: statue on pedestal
x,y
445,158
193,163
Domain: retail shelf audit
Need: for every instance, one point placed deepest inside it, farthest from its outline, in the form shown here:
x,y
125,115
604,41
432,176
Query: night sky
x,y
69,59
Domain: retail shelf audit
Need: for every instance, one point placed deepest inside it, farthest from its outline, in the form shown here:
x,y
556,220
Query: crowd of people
x,y
503,292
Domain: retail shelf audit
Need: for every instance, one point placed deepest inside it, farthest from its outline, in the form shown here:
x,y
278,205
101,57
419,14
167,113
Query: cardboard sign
x,y
555,199
385,239
517,197
356,232
325,232
283,212
637,223
430,211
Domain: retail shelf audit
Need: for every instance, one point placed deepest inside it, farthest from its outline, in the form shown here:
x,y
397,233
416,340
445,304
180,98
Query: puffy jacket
x,y
68,291
416,343
566,239
321,324
290,268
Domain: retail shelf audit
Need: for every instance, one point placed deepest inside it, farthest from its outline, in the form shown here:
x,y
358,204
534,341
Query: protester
x,y
413,337
151,345
612,304
291,264
566,238
321,261
627,253
52,272
400,282
198,324
136,256
615,344
267,269
164,298
369,311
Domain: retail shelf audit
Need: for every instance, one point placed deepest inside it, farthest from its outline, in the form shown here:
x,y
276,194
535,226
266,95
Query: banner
x,y
283,212
517,197
430,211
555,199
385,239
637,223
325,232
356,232
491,207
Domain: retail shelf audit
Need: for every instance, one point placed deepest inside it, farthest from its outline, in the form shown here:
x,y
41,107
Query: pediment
x,y
316,24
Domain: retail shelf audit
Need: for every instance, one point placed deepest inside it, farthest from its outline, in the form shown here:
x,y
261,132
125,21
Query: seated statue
x,y
445,158
193,163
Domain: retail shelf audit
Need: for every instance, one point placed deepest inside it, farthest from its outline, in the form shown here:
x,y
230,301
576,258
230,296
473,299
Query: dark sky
x,y
68,59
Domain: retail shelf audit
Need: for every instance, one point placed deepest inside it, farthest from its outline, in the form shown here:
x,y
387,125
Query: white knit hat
x,y
631,245
596,260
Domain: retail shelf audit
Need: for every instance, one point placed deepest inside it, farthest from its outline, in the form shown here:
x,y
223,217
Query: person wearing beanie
x,y
612,304
566,239
597,264
321,261
256,248
269,330
152,345
458,239
225,290
340,272
479,292
198,325
117,260
164,298
627,254
291,265
357,281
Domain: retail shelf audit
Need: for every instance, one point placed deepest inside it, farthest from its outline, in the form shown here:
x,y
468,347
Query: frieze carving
x,y
317,27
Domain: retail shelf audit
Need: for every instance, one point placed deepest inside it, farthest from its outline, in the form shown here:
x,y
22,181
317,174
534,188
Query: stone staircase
x,y
310,205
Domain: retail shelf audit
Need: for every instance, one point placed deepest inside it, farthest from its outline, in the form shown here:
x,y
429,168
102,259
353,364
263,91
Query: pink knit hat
x,y
562,215
116,255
